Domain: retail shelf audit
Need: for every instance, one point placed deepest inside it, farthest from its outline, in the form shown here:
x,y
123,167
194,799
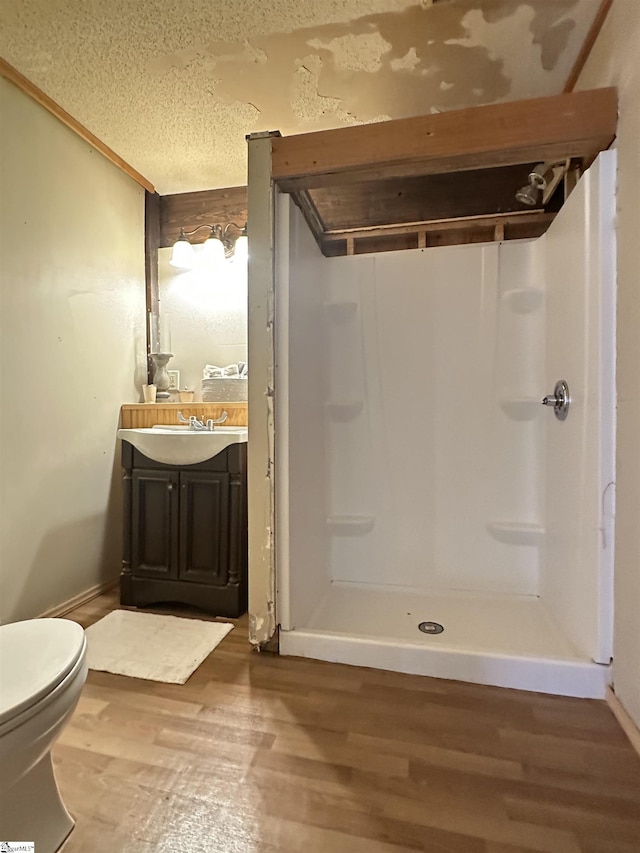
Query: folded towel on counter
x,y
212,371
225,389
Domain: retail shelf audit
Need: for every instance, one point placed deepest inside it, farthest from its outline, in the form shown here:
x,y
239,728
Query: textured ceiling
x,y
173,86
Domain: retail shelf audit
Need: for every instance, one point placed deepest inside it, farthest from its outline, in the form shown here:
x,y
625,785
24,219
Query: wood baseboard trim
x,y
627,725
79,600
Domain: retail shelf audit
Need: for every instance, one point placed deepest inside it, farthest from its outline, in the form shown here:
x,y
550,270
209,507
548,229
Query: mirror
x,y
203,317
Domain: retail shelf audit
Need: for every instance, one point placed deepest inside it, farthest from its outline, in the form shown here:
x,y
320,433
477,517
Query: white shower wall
x,y
431,459
300,435
579,275
407,373
418,364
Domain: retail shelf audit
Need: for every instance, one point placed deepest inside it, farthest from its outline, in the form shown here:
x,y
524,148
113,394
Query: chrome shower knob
x,y
561,400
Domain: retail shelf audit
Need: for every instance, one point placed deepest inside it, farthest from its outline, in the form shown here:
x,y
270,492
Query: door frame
x,y
261,387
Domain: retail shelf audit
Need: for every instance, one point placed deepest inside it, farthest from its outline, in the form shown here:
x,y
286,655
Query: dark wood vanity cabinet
x,y
185,532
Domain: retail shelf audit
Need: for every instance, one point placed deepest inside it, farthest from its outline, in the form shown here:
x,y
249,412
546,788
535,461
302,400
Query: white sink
x,y
175,445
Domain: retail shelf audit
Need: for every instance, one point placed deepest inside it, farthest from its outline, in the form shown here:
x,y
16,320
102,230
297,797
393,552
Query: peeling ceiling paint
x,y
174,87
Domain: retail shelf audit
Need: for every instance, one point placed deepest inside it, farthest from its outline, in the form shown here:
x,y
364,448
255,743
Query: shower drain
x,y
431,628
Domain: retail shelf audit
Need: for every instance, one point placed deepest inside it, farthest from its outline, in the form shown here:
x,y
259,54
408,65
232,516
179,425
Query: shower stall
x,y
432,516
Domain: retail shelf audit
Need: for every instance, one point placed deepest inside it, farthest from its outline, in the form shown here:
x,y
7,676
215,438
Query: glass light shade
x,y
213,251
182,255
528,195
241,251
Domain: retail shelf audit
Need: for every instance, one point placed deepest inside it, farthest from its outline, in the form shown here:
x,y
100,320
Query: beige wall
x,y
614,61
71,351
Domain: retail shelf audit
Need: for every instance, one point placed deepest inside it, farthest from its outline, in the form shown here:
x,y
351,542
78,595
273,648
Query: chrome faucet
x,y
220,420
195,425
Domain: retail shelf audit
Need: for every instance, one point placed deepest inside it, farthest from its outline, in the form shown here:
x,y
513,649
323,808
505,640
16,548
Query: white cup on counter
x,y
149,393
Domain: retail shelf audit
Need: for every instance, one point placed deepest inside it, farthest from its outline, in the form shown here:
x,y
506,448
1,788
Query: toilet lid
x,y
35,656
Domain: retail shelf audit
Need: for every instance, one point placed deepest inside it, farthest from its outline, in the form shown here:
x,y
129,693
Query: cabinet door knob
x,y
169,487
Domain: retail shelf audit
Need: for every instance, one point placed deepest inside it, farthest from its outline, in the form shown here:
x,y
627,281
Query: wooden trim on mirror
x,y
152,292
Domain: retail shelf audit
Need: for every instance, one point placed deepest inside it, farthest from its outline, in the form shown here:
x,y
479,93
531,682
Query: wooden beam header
x,y
575,124
445,232
537,217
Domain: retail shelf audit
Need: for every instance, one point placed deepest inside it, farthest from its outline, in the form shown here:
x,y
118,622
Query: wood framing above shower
x,y
441,179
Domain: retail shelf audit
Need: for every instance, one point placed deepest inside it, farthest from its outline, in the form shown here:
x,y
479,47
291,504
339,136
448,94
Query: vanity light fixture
x,y
219,245
241,252
182,255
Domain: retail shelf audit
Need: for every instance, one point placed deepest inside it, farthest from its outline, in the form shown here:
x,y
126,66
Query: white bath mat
x,y
145,645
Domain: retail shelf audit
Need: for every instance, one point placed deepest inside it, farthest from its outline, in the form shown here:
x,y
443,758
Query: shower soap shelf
x,y
521,408
344,410
340,312
350,525
523,300
516,532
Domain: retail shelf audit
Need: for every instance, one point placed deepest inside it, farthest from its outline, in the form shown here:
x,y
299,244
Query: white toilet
x,y
43,668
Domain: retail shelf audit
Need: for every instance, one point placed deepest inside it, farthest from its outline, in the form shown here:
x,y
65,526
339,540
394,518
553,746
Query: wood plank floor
x,y
260,754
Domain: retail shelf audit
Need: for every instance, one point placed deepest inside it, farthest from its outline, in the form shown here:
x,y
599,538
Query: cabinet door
x,y
154,535
204,527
